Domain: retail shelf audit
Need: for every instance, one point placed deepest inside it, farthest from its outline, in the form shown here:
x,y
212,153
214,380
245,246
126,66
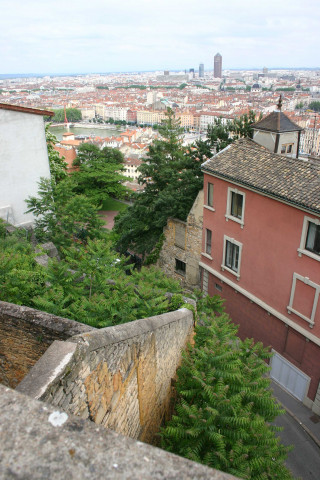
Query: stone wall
x,y
181,251
25,335
38,442
120,377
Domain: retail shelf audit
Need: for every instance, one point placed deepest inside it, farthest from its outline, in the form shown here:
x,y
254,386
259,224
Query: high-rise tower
x,y
201,70
217,70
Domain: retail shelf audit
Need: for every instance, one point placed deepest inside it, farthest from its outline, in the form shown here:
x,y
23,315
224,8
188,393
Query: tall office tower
x,y
201,70
217,70
191,72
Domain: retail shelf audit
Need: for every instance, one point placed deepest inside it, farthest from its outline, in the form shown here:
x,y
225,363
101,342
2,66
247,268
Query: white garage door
x,y
289,376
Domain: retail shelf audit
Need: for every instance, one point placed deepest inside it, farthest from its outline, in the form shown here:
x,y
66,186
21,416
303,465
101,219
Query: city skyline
x,y
82,38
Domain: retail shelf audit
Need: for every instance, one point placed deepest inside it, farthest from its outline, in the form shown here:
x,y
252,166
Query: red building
x,y
261,252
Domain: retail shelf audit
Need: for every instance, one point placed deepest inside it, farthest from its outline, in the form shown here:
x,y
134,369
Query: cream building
x,y
23,160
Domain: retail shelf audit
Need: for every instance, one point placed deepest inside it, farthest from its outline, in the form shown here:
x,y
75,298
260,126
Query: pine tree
x,y
172,178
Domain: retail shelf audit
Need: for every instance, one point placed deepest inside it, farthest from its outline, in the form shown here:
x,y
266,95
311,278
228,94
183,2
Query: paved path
x,y
108,217
301,428
304,460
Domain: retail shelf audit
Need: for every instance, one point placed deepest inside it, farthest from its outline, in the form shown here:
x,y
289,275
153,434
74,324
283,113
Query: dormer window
x,y
287,148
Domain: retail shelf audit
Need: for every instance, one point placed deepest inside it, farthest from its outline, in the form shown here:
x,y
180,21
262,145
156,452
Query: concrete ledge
x,y
106,336
52,364
39,442
64,326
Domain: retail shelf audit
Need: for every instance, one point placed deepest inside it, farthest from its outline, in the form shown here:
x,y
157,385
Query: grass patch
x,y
110,204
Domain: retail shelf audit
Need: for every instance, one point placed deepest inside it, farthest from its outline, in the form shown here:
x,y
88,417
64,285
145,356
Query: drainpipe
x,y
276,146
298,146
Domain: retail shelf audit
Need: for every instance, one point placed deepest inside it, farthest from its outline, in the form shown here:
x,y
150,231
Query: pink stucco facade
x,y
273,291
270,237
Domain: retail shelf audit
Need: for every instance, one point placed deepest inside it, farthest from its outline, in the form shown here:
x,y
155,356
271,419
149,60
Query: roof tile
x,y
251,165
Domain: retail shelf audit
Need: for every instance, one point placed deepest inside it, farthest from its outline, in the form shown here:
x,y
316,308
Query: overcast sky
x,y
82,36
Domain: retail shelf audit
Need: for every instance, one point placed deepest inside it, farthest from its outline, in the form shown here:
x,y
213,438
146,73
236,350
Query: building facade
x,y
217,67
23,160
261,253
179,256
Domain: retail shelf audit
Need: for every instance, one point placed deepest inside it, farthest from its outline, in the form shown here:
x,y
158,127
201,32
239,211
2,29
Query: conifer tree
x,y
172,178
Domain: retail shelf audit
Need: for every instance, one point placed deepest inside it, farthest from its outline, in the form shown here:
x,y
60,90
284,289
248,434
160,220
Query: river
x,y
98,132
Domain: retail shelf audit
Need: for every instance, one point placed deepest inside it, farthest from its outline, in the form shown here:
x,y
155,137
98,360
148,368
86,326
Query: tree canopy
x,y
222,133
224,406
91,283
73,115
314,106
58,167
171,175
62,215
99,173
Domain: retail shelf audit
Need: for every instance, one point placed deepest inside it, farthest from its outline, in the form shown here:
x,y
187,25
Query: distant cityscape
x,y
198,95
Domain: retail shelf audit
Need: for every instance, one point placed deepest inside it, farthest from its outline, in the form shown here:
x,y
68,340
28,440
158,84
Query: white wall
x,y
23,160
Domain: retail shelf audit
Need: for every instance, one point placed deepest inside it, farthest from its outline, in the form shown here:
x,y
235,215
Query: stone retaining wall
x,y
25,335
119,377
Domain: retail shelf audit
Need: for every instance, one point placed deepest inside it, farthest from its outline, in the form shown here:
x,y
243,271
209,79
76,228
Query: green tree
x,y
224,404
62,216
99,175
92,284
58,167
172,177
221,134
299,105
89,284
21,278
314,106
73,115
242,126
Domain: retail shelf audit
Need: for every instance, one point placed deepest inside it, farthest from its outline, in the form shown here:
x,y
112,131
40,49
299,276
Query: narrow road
x,y
304,460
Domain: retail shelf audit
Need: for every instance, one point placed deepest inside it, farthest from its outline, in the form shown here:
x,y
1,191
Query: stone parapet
x,y
38,441
120,377
25,334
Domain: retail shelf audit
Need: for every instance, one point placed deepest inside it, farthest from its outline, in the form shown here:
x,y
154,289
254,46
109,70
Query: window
x,y
208,241
235,206
313,238
287,148
210,195
310,238
180,267
232,256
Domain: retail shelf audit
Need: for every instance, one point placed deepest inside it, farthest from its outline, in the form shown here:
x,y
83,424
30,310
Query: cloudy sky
x,y
82,36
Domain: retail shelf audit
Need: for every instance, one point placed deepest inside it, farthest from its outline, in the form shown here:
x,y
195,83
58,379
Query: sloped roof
x,y
246,163
270,123
18,108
